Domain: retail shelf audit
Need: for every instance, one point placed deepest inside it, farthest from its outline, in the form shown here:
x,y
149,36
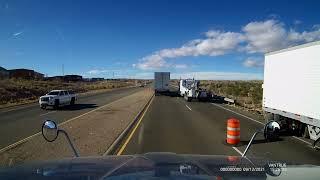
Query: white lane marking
x,y
238,113
19,142
304,141
238,151
262,124
47,113
188,107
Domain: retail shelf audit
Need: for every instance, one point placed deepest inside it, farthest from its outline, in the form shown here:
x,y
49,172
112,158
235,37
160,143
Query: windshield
x,y
53,93
91,78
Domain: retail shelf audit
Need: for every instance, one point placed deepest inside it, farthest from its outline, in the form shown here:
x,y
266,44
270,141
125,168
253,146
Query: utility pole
x,y
62,69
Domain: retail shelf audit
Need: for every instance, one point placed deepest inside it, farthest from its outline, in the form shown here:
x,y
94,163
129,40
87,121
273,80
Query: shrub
x,y
246,93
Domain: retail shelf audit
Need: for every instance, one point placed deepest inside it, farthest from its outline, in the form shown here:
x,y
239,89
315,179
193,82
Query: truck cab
x,y
189,89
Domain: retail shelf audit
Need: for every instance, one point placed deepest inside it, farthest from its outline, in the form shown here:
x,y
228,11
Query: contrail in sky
x,y
17,34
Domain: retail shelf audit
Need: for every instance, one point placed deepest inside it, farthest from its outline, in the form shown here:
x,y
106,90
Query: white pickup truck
x,y
56,98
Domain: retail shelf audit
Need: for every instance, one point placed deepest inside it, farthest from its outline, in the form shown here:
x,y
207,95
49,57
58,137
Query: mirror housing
x,y
271,130
49,130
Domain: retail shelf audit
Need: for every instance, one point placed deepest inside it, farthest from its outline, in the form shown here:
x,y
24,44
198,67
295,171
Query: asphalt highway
x,y
20,122
171,124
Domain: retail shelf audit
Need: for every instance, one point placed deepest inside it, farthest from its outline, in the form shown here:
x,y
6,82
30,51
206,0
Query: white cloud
x,y
97,71
109,73
217,43
181,66
254,37
253,62
151,62
211,75
271,35
305,36
264,36
144,75
104,71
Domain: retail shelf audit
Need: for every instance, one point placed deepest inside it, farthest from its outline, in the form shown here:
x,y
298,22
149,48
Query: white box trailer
x,y
291,88
161,82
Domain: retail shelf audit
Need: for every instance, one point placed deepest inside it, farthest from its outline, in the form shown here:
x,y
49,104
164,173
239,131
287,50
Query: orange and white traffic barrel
x,y
233,131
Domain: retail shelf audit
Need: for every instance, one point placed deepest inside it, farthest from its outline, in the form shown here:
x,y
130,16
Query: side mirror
x,y
270,131
49,131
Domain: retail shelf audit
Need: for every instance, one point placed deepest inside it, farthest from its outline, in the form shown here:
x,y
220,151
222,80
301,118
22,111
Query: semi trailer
x,y
161,82
291,89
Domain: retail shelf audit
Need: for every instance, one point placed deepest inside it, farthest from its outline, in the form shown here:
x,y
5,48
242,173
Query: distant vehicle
x,y
291,95
189,89
57,98
161,82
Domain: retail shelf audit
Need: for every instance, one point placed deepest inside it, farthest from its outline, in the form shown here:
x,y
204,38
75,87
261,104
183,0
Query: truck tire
x,y
305,133
56,104
73,100
44,107
185,97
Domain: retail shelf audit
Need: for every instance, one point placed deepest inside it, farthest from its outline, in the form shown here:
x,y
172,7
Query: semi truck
x,y
189,89
161,82
291,89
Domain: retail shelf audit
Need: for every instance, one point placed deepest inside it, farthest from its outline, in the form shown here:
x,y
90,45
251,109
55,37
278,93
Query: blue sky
x,y
201,39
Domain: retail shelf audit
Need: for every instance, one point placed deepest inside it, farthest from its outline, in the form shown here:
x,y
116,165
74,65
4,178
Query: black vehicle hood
x,y
157,163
